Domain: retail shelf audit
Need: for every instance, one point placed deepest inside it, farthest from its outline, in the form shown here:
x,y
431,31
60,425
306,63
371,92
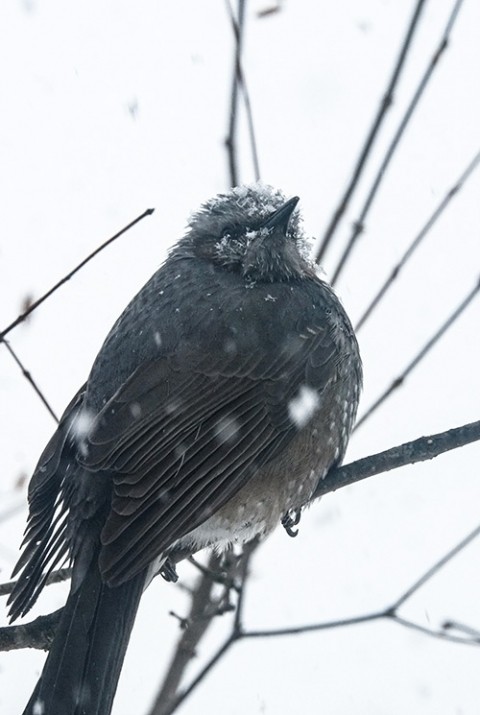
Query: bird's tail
x,y
83,666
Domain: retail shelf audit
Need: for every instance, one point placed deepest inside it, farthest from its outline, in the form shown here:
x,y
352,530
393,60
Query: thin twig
x,y
312,627
28,376
173,705
231,140
235,635
433,570
400,380
251,125
385,105
241,84
391,613
442,635
66,278
199,619
248,552
202,613
463,628
359,224
218,576
315,627
453,191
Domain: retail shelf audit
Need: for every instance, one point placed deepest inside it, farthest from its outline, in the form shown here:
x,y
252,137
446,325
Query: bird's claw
x,y
290,519
168,571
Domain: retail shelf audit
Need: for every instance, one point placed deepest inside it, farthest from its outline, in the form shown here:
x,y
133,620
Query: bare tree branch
x,y
66,278
473,633
231,140
396,270
36,634
357,620
239,83
241,570
199,619
422,353
359,224
419,450
389,613
441,634
385,105
28,376
433,570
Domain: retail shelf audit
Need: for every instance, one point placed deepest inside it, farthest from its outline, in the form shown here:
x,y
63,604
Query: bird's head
x,y
253,230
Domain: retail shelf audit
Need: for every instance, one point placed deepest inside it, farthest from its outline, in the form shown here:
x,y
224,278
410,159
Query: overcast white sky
x,y
110,107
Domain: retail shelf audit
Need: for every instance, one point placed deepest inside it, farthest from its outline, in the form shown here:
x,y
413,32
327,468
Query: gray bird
x,y
223,393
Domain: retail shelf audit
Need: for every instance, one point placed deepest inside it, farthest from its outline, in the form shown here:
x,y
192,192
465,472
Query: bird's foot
x,y
290,519
168,571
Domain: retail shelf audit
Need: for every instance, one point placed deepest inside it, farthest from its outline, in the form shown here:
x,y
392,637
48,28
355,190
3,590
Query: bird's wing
x,y
181,437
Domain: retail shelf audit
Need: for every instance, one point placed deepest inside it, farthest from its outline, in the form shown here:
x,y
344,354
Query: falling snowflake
x,y
302,407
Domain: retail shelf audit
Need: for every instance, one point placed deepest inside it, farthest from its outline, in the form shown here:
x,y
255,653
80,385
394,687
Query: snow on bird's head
x,y
248,205
241,211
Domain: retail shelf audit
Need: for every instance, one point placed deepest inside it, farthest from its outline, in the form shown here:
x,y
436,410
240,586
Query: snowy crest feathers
x,y
249,205
236,216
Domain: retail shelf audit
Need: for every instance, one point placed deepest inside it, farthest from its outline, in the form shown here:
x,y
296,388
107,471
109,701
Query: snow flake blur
x,y
302,407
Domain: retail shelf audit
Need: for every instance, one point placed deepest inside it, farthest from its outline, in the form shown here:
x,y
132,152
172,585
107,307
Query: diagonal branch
x,y
419,450
396,270
428,575
385,105
28,376
359,224
422,353
199,619
471,636
66,278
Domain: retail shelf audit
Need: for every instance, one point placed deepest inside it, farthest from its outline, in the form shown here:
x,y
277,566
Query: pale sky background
x,y
111,107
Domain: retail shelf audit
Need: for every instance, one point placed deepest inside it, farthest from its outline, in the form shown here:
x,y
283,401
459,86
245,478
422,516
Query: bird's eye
x,y
229,231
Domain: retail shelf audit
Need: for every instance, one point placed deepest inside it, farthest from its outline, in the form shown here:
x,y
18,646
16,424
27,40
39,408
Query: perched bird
x,y
223,393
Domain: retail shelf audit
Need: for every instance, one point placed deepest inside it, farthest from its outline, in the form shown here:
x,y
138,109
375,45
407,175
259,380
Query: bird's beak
x,y
281,217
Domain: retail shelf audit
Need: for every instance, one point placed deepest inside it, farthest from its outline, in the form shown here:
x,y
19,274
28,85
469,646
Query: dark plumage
x,y
226,389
